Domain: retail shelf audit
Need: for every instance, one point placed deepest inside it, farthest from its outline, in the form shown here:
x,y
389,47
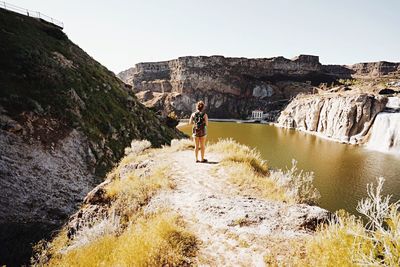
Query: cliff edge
x,y
160,207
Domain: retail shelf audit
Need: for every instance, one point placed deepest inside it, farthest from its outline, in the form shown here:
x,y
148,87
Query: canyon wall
x,y
217,72
375,69
342,117
233,87
366,70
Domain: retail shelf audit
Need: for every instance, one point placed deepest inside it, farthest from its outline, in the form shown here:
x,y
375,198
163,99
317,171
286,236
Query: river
x,y
341,171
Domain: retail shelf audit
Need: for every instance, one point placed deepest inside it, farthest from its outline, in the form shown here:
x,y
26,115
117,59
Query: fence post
x,y
4,3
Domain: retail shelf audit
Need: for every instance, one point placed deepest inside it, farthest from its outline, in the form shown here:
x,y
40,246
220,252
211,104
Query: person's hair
x,y
200,106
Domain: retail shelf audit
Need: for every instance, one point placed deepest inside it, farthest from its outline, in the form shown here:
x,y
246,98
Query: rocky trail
x,y
234,229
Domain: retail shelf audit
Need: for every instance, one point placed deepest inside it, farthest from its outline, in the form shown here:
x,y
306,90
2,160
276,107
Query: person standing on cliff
x,y
199,119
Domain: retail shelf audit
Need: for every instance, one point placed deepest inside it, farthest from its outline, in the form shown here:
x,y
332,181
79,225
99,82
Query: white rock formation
x,y
342,117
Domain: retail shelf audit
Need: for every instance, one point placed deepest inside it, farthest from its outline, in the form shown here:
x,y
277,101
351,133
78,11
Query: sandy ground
x,y
234,230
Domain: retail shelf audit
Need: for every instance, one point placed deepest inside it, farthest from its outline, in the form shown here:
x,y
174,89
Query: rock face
x,y
233,87
376,69
215,72
344,118
64,122
62,175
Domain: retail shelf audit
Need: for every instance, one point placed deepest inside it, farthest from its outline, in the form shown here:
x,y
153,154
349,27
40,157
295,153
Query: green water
x,y
341,171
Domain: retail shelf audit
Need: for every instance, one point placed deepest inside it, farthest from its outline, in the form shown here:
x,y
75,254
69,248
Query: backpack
x,y
199,124
198,120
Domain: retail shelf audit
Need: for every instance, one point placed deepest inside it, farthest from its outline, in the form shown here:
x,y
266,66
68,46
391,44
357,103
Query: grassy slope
x,y
32,79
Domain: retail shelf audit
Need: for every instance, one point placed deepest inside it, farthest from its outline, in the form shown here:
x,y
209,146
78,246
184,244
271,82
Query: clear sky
x,y
120,33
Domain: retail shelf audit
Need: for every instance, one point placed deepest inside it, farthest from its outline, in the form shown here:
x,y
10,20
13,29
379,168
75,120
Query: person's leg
x,y
202,146
196,147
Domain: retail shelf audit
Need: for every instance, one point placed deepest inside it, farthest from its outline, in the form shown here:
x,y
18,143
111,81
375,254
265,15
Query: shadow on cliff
x,y
16,240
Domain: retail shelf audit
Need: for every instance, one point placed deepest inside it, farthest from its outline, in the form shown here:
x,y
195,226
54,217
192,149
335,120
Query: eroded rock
x,y
230,87
342,117
233,87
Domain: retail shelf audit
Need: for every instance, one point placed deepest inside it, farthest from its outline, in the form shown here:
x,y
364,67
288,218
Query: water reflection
x,y
341,171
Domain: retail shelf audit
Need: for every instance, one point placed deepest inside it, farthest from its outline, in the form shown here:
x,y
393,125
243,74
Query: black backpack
x,y
198,120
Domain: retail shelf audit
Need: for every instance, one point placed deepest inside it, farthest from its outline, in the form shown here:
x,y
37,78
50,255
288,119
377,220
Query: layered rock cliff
x,y
341,117
376,69
233,87
64,121
366,70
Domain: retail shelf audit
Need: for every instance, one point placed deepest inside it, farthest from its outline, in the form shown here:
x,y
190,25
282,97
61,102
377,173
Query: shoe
x,y
204,161
197,161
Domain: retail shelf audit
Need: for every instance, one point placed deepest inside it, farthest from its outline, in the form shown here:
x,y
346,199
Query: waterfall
x,y
393,103
385,135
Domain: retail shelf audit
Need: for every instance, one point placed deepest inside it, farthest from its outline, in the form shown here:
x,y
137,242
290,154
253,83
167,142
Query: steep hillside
x,y
64,120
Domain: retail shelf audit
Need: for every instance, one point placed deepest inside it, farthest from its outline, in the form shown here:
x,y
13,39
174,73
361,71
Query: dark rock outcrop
x,y
387,91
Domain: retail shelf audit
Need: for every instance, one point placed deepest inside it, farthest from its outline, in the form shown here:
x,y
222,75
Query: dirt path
x,y
234,230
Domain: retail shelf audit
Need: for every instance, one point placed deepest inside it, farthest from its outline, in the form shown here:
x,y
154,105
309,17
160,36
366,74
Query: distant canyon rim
x,y
233,87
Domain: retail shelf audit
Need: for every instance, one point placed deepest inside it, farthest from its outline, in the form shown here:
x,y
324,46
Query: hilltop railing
x,y
30,13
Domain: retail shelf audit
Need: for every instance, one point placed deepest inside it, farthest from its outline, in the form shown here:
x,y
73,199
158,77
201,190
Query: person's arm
x,y
191,119
206,119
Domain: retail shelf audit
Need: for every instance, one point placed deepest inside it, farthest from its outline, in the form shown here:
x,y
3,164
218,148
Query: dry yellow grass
x,y
335,244
234,152
246,169
251,182
133,192
180,145
138,239
140,187
154,240
347,241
